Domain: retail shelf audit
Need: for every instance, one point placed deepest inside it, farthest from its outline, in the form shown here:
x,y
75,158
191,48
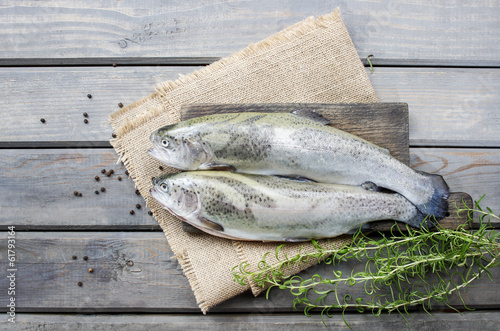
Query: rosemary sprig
x,y
400,269
370,63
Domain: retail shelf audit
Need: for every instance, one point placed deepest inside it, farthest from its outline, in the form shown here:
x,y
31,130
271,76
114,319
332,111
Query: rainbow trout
x,y
297,144
268,208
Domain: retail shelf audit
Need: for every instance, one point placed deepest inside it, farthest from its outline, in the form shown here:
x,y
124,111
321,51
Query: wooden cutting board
x,y
384,124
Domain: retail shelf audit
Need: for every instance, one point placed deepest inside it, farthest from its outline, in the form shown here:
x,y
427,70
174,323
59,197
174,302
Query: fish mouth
x,y
161,155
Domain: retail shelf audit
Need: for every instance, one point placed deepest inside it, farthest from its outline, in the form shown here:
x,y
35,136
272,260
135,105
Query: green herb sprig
x,y
401,270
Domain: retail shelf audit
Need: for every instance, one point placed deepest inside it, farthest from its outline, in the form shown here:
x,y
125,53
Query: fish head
x,y
176,194
180,147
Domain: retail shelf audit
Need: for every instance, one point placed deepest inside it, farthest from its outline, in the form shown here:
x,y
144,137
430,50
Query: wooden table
x,y
442,59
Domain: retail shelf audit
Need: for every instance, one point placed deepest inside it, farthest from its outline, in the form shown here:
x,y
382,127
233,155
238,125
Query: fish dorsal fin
x,y
210,224
310,115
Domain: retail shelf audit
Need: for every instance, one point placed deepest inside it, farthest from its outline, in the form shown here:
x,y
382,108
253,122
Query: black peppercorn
x,y
119,178
126,172
97,178
103,189
80,283
89,96
42,120
85,257
85,115
96,192
161,168
150,213
108,173
132,212
137,192
111,171
103,171
138,206
120,105
74,257
85,121
79,194
113,135
75,193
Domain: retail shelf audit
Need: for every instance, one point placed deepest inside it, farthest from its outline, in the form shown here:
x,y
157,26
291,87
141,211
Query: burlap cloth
x,y
313,61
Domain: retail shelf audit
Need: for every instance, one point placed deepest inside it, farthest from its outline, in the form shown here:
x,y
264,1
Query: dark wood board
x,y
408,33
384,124
447,106
484,320
53,175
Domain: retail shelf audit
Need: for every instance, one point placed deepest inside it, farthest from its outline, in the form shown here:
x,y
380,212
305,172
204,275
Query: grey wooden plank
x,y
447,107
36,186
37,191
60,97
135,272
477,320
475,171
465,31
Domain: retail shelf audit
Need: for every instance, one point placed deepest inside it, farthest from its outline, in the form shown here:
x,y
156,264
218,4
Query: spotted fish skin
x,y
268,208
293,144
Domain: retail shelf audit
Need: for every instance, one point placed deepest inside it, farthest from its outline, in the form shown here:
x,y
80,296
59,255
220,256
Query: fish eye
x,y
164,143
164,187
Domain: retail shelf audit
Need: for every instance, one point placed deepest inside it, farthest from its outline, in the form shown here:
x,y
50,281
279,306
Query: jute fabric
x,y
313,61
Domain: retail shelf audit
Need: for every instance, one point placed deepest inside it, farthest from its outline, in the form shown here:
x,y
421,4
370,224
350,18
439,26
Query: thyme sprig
x,y
401,269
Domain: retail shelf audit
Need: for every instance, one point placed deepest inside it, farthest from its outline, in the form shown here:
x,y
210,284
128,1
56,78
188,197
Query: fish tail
x,y
437,206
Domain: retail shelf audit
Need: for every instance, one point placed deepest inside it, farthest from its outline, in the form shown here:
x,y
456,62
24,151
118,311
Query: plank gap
x,y
197,61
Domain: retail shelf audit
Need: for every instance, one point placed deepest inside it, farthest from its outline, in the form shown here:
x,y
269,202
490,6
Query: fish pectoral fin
x,y
370,186
295,178
296,240
210,224
311,115
217,166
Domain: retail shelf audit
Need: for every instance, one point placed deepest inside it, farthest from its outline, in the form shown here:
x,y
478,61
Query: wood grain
x,y
37,191
417,31
447,107
474,320
454,107
36,186
60,97
475,171
384,124
135,272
